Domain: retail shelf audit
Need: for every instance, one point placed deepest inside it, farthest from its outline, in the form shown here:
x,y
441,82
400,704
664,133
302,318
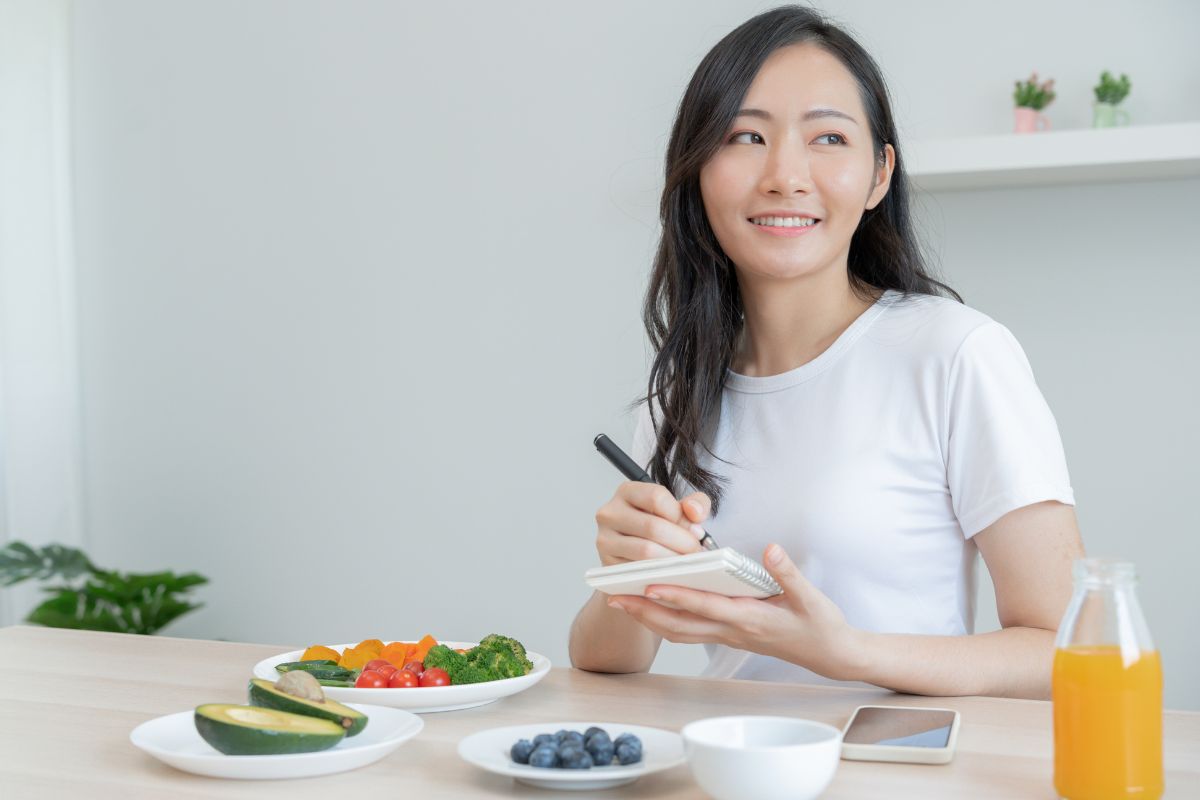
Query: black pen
x,y
631,470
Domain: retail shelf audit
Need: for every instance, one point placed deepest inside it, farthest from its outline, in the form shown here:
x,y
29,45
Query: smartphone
x,y
900,733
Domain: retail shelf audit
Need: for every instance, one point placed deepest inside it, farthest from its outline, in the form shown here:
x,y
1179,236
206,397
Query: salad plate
x,y
490,750
421,700
173,740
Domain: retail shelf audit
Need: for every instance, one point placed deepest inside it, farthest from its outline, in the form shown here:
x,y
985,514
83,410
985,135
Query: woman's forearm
x,y
1014,662
605,639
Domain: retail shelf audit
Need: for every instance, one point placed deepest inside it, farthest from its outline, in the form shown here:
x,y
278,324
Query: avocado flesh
x,y
263,693
249,730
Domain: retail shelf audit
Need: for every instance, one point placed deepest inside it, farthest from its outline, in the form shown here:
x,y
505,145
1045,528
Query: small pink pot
x,y
1026,120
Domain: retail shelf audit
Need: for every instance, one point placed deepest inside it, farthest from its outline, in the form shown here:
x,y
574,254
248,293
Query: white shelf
x,y
1057,158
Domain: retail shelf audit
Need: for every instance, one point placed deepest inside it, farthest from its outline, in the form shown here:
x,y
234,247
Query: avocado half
x,y
264,694
251,731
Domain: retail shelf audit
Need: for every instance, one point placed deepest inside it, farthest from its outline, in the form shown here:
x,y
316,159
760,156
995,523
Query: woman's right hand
x,y
644,520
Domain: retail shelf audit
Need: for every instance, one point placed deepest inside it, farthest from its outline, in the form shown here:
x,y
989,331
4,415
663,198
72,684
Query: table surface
x,y
70,699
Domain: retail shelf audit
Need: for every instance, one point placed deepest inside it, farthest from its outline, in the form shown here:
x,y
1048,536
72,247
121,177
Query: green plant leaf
x,y
107,600
111,601
20,562
71,609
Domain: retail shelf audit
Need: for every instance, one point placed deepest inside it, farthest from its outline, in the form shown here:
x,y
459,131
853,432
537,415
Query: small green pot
x,y
1108,115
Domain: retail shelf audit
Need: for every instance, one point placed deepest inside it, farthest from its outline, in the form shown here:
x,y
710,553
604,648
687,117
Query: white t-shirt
x,y
875,463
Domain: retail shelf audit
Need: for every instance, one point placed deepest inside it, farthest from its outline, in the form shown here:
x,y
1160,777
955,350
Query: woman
x,y
817,396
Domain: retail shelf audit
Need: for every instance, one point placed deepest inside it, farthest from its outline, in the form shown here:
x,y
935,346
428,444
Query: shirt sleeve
x,y
1004,451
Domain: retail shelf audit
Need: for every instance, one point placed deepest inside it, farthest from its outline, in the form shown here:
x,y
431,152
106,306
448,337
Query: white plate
x,y
173,739
489,750
420,699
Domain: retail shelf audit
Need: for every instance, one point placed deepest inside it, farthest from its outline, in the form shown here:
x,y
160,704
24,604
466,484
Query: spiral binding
x,y
753,573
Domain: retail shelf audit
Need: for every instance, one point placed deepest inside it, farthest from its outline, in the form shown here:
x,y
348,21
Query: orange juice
x,y
1107,724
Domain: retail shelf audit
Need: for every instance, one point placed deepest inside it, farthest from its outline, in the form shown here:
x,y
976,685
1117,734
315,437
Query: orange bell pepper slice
x,y
354,658
423,647
375,645
395,653
320,652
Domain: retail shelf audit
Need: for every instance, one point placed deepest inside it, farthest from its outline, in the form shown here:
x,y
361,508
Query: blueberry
x,y
545,738
630,738
544,756
601,750
575,758
572,737
592,731
627,753
521,750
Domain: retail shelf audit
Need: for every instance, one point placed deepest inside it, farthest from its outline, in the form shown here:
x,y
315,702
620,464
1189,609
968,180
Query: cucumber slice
x,y
251,731
264,694
321,670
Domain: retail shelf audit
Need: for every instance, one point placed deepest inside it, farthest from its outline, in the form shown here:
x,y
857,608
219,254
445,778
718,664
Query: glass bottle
x,y
1107,689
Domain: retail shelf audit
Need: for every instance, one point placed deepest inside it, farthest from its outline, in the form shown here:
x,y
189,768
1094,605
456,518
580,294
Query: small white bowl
x,y
762,758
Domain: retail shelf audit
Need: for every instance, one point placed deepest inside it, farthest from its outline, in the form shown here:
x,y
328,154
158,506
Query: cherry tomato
x,y
435,677
386,670
415,667
376,664
370,679
403,679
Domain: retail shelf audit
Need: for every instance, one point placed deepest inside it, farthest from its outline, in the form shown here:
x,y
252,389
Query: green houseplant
x,y
86,597
1030,97
1109,93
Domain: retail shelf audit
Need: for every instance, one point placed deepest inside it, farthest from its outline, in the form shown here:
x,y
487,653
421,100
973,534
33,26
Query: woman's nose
x,y
787,171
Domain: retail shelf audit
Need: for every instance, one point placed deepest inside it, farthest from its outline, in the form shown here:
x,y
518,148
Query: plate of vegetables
x,y
421,676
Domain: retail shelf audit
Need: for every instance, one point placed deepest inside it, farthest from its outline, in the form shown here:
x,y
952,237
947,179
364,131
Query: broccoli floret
x,y
513,661
456,666
499,659
469,673
443,657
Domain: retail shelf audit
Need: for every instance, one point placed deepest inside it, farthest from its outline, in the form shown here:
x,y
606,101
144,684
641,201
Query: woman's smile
x,y
790,227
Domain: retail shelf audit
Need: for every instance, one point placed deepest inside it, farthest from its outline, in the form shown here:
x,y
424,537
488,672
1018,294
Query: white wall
x,y
359,281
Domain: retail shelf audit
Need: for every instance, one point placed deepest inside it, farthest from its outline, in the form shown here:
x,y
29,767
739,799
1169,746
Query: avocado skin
x,y
244,740
264,694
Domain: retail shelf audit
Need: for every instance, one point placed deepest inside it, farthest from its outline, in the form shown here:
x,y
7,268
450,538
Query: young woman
x,y
815,393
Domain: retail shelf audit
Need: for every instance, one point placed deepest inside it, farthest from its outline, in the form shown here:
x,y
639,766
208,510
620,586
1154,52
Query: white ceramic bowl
x,y
762,758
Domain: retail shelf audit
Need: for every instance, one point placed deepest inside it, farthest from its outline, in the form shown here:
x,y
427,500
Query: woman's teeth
x,y
785,222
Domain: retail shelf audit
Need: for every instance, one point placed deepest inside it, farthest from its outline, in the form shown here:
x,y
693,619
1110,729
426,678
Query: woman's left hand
x,y
802,625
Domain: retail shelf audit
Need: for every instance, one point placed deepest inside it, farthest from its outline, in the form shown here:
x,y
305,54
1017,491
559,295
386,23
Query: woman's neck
x,y
789,323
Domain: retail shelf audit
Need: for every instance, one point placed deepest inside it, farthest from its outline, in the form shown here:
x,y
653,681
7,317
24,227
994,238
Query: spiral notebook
x,y
723,571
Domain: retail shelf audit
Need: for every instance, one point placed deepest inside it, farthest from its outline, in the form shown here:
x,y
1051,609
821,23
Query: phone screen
x,y
904,727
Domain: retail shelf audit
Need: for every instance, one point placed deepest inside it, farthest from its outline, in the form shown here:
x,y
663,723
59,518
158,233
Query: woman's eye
x,y
740,137
840,139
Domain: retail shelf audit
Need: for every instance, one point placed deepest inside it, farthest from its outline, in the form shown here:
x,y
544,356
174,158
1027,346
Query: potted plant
x,y
87,597
1031,97
1110,92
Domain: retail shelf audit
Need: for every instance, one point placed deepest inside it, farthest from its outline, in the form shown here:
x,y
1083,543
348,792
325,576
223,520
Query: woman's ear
x,y
883,176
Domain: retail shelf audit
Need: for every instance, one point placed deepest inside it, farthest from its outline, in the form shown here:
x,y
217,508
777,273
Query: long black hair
x,y
693,308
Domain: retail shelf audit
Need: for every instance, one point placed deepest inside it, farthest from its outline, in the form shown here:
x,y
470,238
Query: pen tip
x,y
596,441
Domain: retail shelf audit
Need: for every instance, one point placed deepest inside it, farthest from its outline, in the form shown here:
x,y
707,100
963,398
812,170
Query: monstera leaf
x,y
20,562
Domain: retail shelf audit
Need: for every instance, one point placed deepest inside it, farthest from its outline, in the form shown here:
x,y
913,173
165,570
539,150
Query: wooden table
x,y
70,699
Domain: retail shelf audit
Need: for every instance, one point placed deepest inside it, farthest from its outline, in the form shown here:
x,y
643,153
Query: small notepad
x,y
724,571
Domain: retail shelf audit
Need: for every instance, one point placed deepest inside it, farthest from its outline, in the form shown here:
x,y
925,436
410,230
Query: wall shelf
x,y
1057,158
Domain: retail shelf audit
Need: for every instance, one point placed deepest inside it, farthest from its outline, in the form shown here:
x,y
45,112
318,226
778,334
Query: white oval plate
x,y
489,750
421,699
173,740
